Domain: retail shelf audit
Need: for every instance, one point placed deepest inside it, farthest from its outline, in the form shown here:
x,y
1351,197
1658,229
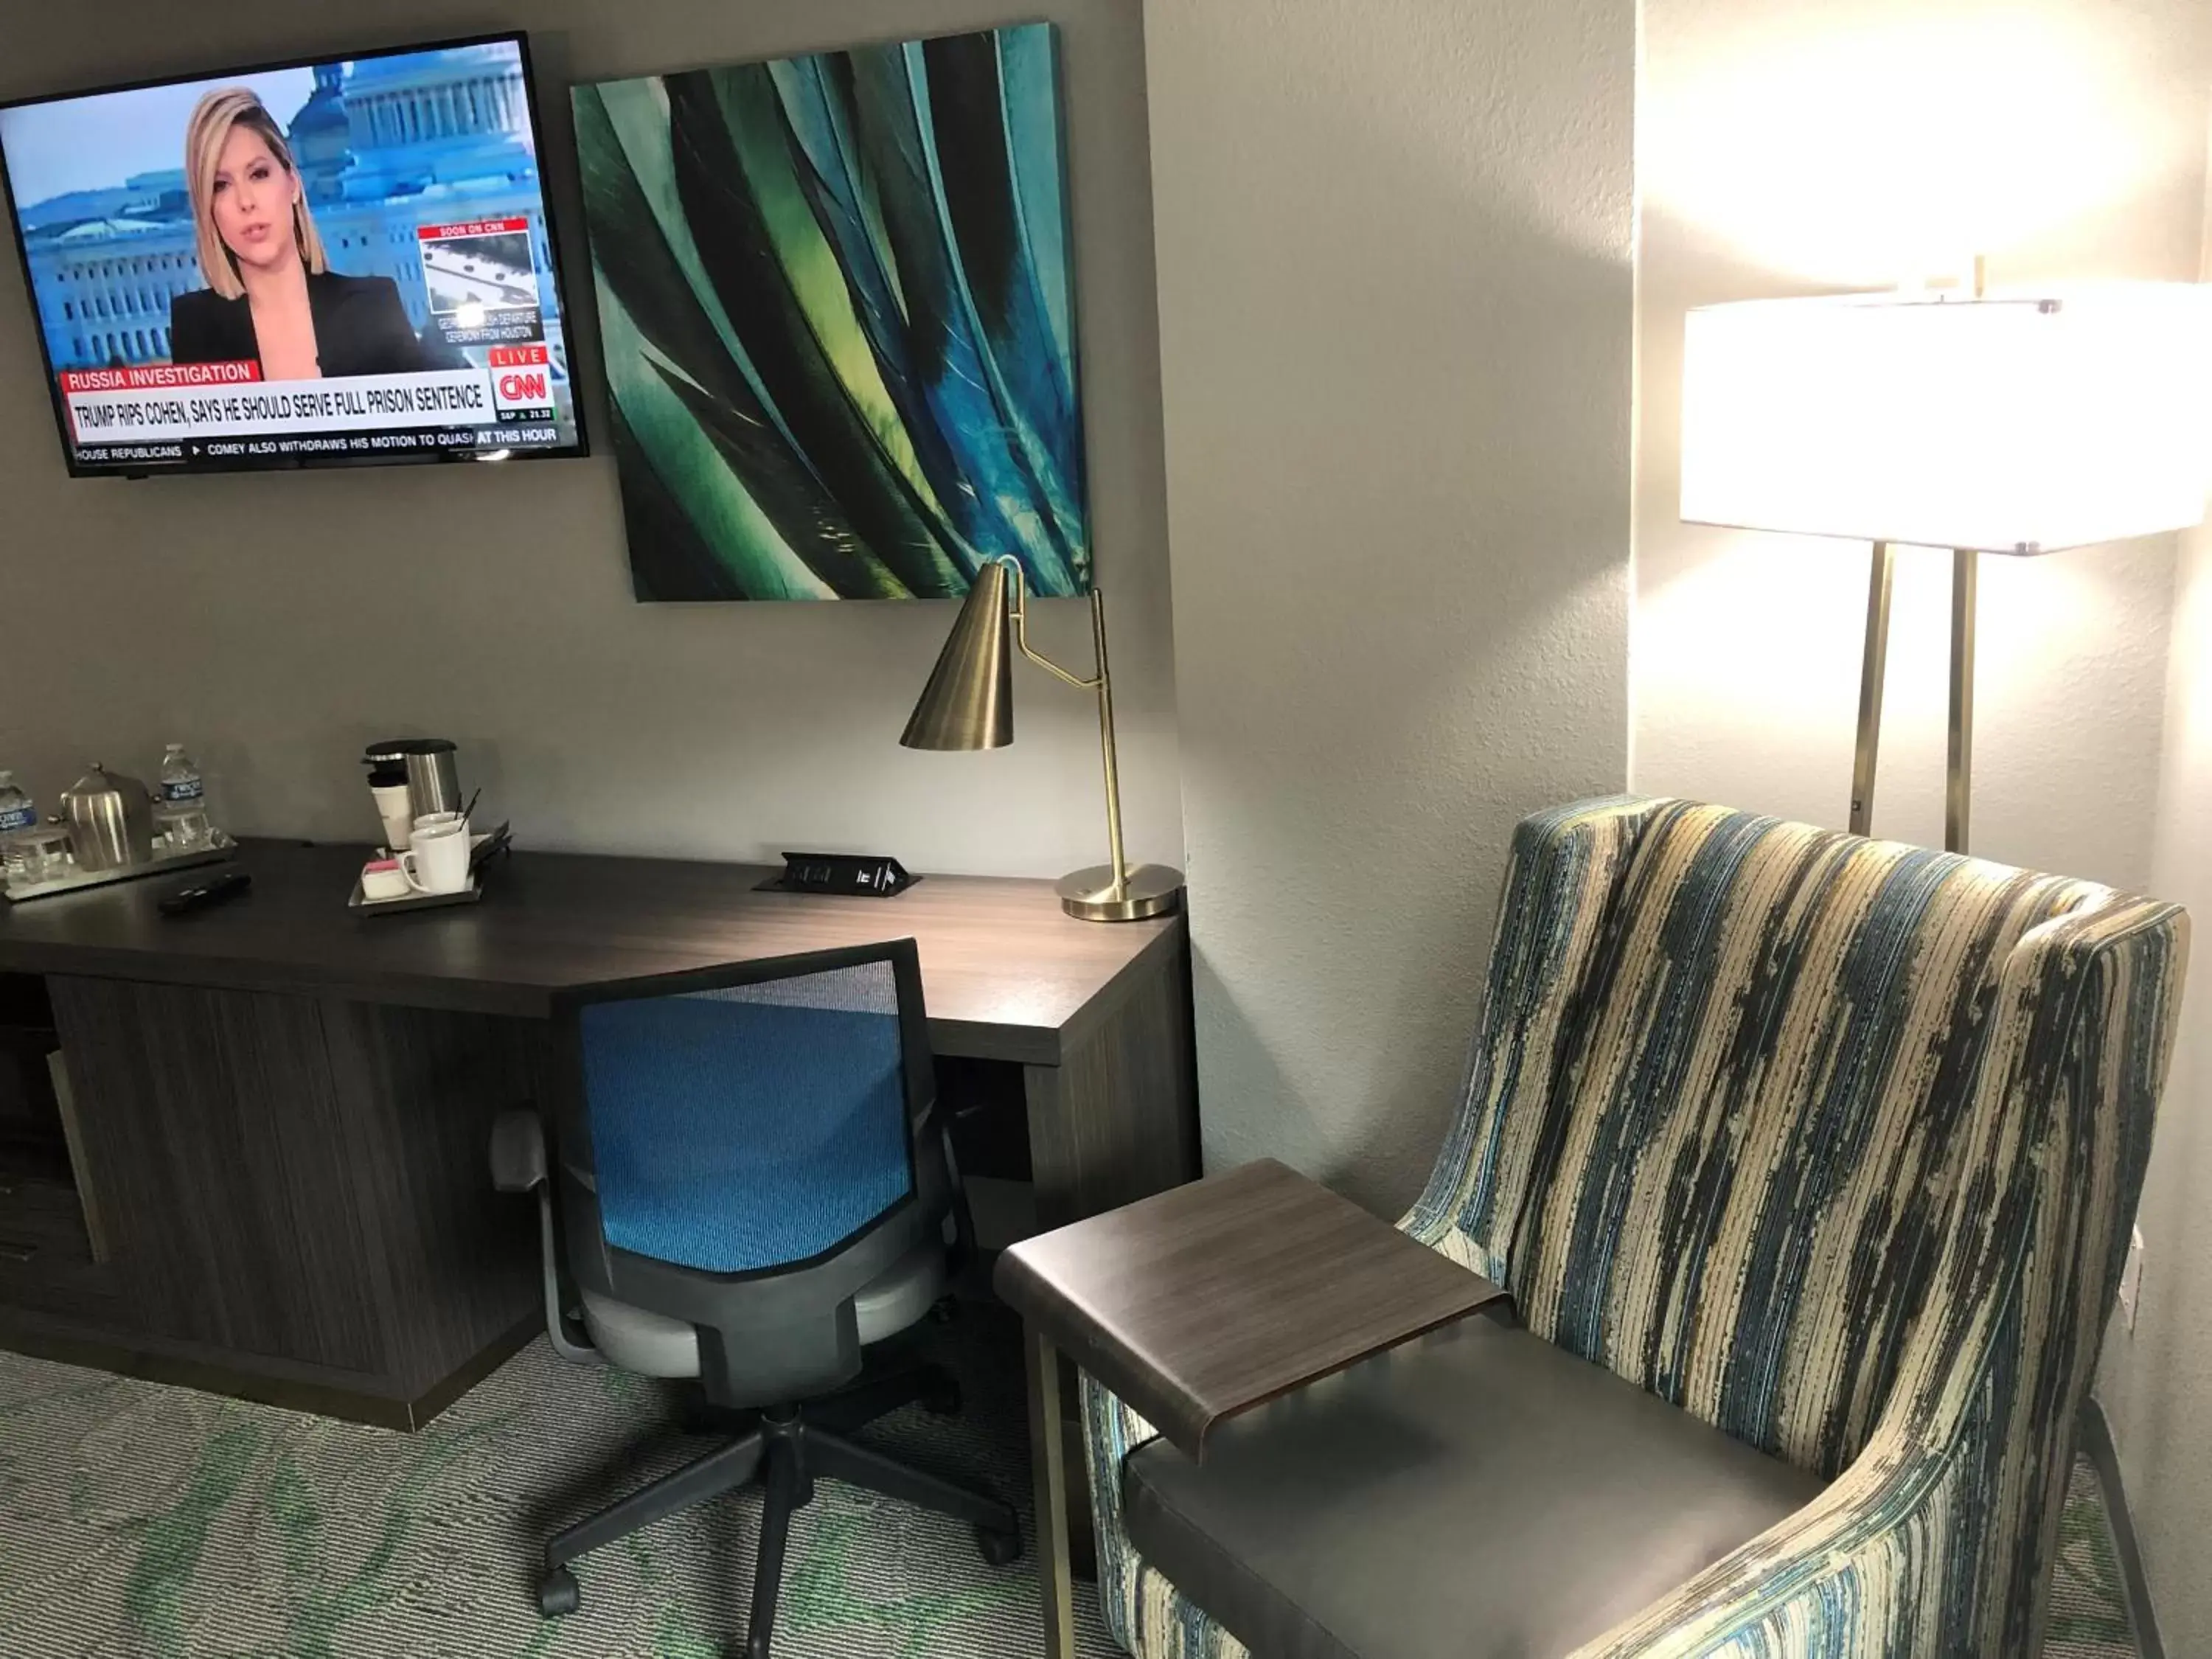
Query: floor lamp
x,y
2019,422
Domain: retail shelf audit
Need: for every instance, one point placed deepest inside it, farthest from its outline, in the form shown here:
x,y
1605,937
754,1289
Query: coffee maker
x,y
425,768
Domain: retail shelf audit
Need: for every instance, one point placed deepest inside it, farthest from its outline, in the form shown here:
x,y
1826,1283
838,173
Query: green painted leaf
x,y
689,470
729,154
754,527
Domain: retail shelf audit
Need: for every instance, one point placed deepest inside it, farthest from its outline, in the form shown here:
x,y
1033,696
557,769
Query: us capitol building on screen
x,y
383,145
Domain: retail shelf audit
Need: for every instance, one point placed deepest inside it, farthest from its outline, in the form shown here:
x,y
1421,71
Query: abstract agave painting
x,y
835,303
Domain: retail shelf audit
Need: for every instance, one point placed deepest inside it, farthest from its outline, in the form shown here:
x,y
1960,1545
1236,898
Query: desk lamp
x,y
2017,423
969,703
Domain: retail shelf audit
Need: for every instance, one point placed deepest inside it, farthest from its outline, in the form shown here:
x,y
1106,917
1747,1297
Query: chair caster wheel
x,y
943,1398
557,1594
756,1647
1001,1549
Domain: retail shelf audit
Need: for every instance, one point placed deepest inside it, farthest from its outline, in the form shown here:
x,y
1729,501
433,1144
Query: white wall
x,y
1395,320
277,624
1836,145
2157,1381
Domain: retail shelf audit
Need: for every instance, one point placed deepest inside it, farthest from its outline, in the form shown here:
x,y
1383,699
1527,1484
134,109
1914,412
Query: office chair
x,y
752,1188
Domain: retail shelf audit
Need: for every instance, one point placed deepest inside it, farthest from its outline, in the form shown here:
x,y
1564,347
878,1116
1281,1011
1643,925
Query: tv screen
x,y
330,262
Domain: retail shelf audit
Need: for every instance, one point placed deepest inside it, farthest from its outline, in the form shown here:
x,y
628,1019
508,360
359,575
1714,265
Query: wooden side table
x,y
1204,1301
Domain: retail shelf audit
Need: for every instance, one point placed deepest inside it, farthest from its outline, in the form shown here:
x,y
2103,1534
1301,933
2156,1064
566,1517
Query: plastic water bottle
x,y
181,818
19,820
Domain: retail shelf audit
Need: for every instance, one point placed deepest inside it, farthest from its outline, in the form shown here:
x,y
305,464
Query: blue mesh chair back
x,y
748,1127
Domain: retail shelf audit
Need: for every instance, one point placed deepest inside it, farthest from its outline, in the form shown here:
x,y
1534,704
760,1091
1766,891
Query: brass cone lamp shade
x,y
969,702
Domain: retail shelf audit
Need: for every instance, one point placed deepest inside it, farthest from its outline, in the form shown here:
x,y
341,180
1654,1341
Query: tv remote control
x,y
204,895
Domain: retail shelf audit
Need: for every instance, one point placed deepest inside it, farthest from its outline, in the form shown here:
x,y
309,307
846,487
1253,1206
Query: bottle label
x,y
183,789
13,818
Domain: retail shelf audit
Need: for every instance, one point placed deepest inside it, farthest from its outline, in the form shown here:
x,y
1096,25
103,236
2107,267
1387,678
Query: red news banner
x,y
230,400
469,227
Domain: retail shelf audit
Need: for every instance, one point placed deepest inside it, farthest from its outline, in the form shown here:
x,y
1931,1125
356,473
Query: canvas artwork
x,y
836,310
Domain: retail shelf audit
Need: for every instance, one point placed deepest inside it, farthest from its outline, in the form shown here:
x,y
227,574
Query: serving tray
x,y
161,864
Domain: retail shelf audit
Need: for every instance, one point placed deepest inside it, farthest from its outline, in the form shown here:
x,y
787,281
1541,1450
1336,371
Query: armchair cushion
x,y
1336,1523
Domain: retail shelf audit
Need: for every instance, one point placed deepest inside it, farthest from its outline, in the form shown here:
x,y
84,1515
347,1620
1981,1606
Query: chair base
x,y
786,1449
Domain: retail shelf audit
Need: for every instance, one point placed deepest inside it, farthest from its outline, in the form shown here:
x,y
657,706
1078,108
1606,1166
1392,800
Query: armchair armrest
x,y
1859,1570
1209,1299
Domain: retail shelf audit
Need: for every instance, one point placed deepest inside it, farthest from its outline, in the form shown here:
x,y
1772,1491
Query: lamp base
x,y
1153,890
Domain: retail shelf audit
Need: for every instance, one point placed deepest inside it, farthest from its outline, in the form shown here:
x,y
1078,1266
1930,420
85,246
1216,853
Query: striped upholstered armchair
x,y
1829,1144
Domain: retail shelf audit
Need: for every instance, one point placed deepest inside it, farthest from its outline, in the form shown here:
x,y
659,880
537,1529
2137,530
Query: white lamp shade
x,y
2016,423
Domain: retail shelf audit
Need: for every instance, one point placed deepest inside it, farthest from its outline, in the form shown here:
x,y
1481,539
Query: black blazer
x,y
361,328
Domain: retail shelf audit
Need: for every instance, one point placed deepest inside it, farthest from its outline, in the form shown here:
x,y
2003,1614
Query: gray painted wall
x,y
277,624
1396,307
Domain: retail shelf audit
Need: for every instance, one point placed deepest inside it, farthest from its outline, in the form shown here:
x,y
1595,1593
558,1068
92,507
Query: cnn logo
x,y
516,387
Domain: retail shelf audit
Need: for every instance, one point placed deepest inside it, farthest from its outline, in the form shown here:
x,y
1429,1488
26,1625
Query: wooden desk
x,y
278,1109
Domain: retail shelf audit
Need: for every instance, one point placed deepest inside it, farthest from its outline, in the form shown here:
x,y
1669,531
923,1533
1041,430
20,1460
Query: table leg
x,y
1047,1454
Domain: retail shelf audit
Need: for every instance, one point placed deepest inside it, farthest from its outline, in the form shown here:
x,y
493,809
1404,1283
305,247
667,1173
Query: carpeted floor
x,y
138,1522
2090,1617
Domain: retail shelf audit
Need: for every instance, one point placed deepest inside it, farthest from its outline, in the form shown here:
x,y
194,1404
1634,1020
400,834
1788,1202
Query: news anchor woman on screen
x,y
271,295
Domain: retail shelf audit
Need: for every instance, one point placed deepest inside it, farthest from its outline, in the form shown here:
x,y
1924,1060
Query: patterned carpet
x,y
138,1522
2090,1617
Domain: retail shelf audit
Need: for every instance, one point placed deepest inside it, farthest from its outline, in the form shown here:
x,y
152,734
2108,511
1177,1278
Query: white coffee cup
x,y
433,824
438,860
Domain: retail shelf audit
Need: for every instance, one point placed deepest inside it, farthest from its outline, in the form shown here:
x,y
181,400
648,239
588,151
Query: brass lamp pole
x,y
969,703
1959,747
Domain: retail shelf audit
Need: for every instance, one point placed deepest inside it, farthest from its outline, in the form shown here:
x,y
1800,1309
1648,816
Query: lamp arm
x,y
1101,683
1022,635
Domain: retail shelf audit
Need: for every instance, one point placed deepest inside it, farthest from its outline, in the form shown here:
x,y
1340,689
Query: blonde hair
x,y
205,134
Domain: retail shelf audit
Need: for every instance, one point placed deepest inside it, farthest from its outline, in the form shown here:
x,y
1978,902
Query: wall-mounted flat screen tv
x,y
330,262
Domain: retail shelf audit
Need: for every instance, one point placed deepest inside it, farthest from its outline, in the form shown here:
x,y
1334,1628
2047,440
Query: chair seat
x,y
654,1345
1478,1492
